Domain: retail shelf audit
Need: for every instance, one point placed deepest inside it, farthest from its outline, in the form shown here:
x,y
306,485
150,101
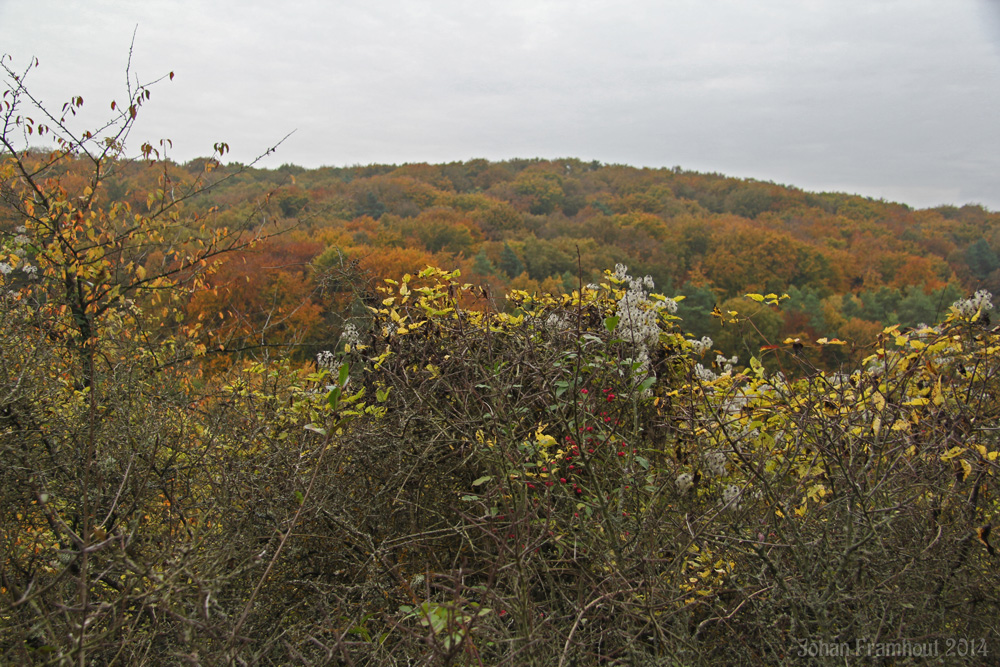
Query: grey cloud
x,y
888,98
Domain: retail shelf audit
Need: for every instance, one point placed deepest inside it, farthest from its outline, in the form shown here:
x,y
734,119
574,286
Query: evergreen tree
x,y
510,264
981,259
696,309
807,301
482,265
915,308
570,282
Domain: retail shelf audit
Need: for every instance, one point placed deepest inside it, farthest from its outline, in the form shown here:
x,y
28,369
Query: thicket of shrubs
x,y
567,480
563,485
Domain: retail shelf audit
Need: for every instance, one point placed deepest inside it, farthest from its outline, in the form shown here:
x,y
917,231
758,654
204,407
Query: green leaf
x,y
344,371
647,384
333,398
482,480
611,323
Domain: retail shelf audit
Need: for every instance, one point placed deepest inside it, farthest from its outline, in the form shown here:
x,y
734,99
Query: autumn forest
x,y
850,265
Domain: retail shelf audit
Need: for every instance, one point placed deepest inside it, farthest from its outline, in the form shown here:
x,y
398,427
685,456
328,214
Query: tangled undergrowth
x,y
566,482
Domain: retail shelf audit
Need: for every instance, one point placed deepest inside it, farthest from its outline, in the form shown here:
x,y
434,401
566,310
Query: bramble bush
x,y
553,479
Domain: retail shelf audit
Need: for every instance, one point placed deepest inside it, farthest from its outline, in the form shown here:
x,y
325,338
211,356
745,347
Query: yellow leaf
x,y
952,453
756,297
816,491
937,396
966,469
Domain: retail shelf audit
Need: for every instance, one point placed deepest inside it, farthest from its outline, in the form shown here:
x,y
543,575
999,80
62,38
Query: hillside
x,y
850,265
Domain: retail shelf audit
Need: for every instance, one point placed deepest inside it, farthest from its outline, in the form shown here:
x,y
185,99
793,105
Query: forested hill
x,y
850,264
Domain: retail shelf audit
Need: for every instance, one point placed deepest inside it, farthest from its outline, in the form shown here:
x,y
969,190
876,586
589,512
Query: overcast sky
x,y
898,99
